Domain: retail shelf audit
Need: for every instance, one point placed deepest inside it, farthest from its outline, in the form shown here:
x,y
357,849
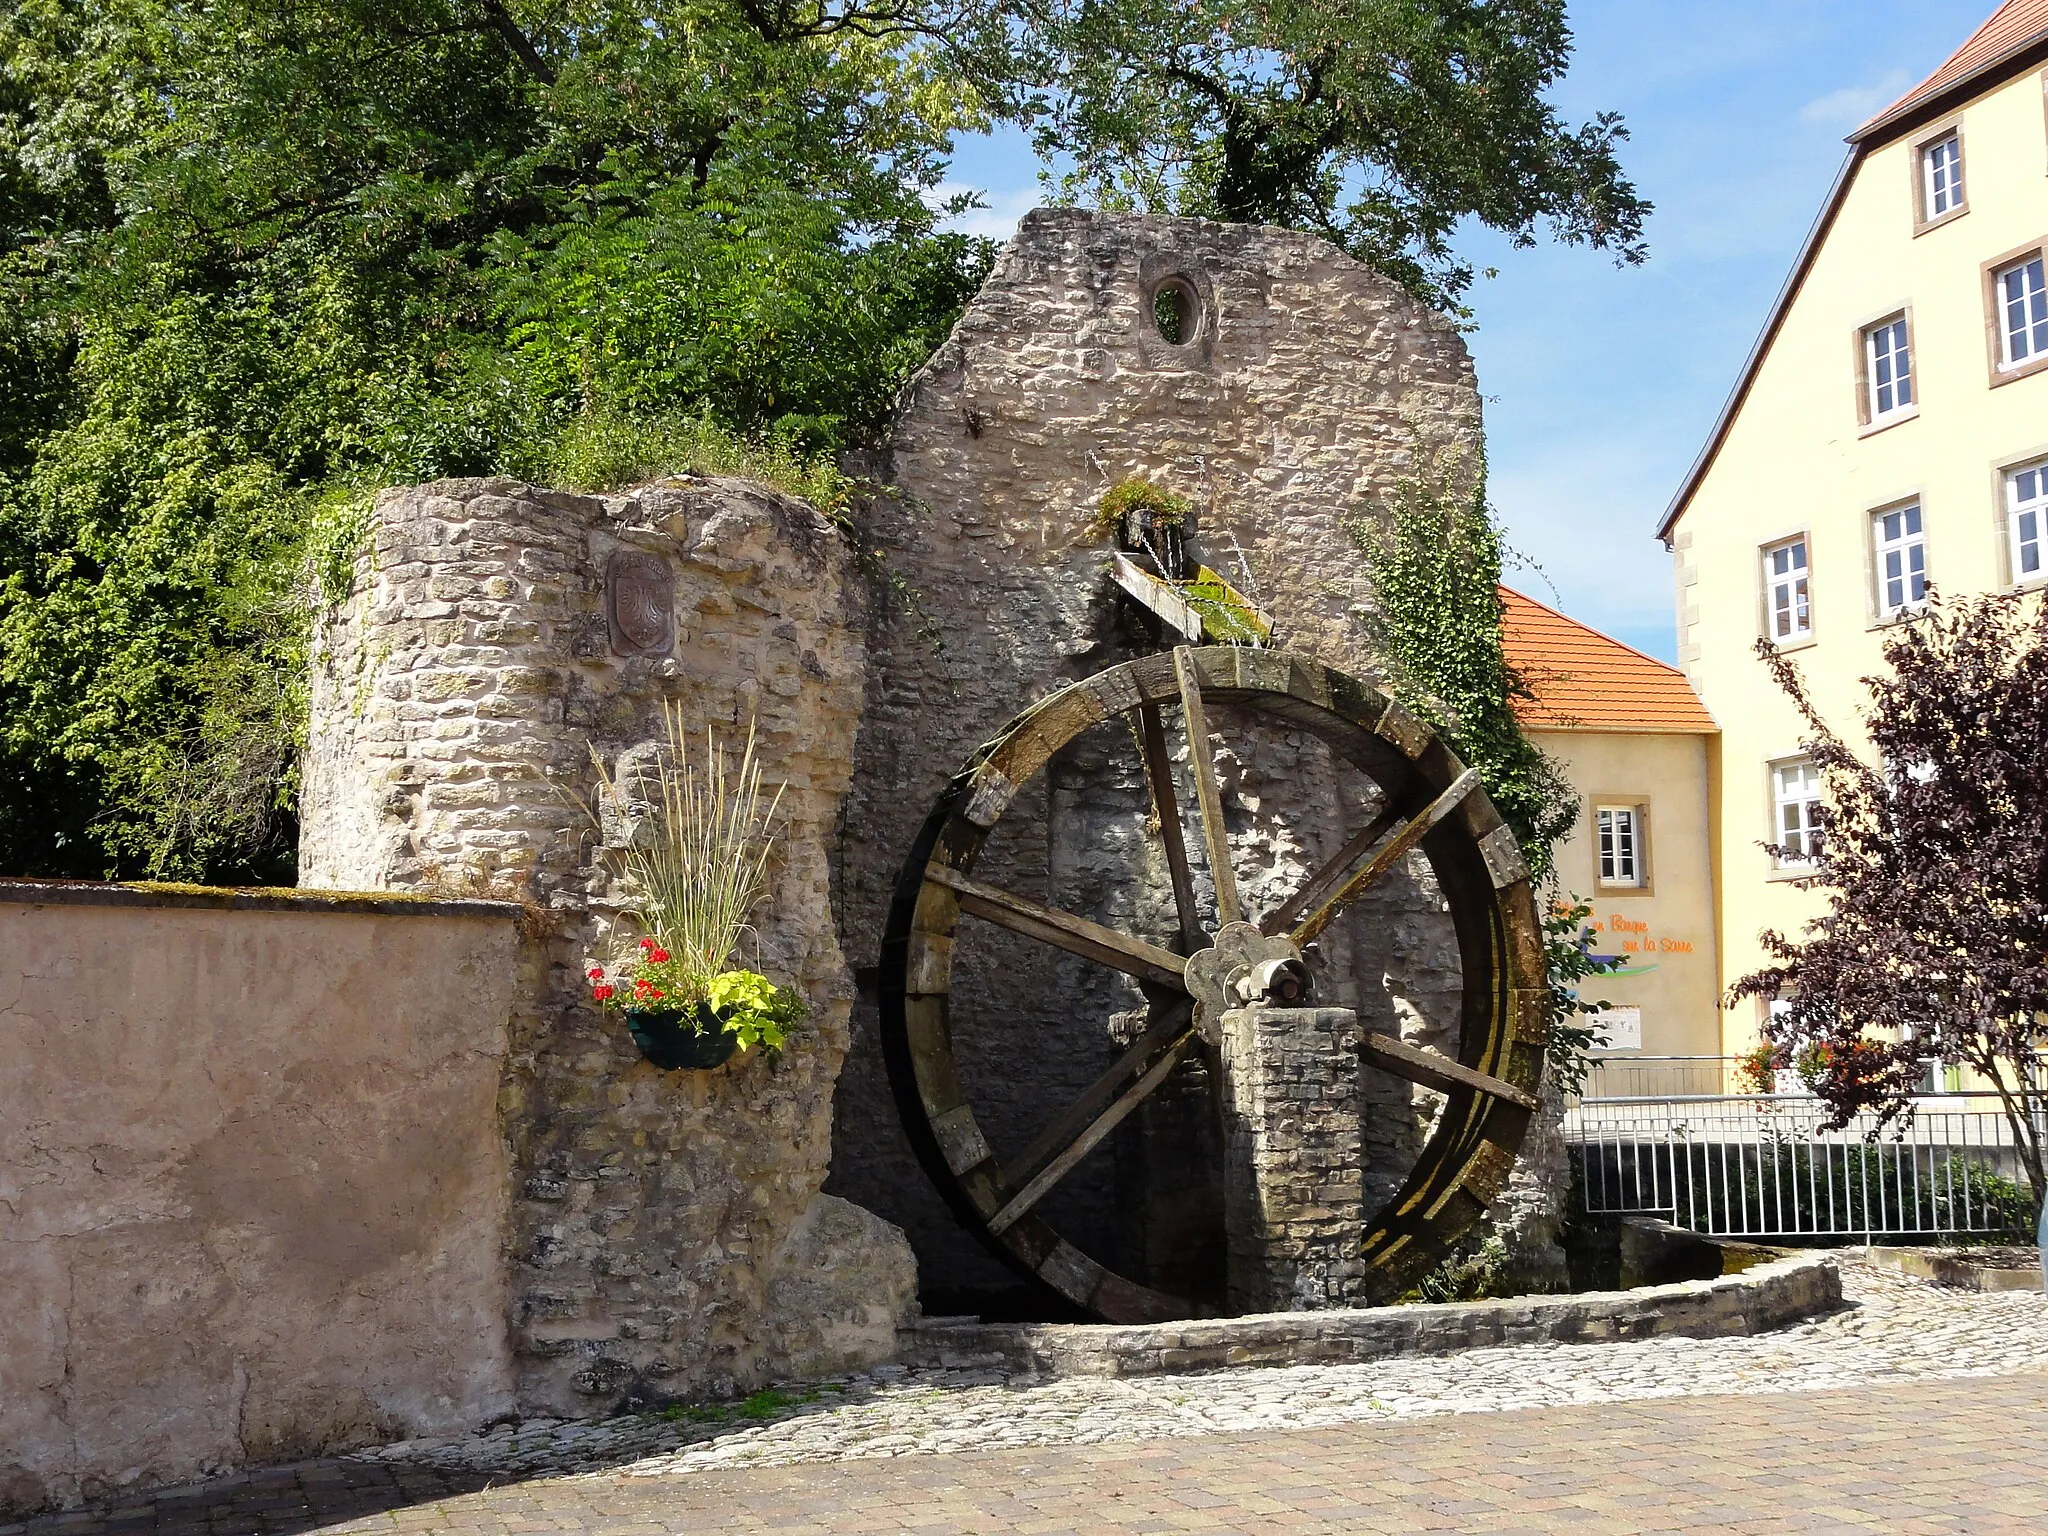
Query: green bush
x,y
258,261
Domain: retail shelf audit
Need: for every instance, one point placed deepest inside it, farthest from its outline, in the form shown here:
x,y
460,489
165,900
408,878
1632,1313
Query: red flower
x,y
595,973
657,955
601,993
647,943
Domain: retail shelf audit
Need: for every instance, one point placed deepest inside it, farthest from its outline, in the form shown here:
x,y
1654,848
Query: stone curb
x,y
1957,1270
1768,1296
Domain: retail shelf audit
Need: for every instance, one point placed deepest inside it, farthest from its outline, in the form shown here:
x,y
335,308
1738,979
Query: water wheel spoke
x,y
1395,848
1438,1072
1165,1029
1208,800
1326,879
1159,774
1076,935
1042,1182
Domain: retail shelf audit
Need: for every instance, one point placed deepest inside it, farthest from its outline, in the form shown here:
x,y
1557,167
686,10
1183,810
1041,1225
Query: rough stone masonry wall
x,y
668,1234
1294,1158
1309,389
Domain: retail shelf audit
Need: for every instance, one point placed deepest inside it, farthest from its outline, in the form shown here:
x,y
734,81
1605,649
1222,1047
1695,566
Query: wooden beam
x,y
1159,597
1325,878
1396,847
1076,935
1438,1072
1167,1027
1040,1185
1207,798
1159,774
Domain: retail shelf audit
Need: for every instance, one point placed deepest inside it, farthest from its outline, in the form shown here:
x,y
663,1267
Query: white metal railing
x,y
1763,1166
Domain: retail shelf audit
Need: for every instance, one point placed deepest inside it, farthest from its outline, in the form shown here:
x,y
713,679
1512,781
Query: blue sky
x,y
1601,384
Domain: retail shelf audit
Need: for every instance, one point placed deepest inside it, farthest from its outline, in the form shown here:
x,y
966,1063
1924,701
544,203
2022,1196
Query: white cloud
x,y
1855,104
998,219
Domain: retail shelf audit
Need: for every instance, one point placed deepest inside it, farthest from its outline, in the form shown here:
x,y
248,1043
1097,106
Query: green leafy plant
x,y
1434,555
744,1004
1469,1272
1569,961
606,447
694,870
1136,493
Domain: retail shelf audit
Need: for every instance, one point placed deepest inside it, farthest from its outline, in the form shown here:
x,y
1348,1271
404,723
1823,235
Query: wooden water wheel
x,y
1431,802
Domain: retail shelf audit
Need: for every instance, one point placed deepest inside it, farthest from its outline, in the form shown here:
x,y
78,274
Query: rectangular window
x,y
1791,616
1621,844
1901,559
2021,294
1795,787
1887,369
2026,513
1941,167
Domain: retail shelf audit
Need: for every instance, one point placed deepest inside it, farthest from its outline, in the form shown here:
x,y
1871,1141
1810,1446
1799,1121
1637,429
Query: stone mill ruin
x,y
1158,967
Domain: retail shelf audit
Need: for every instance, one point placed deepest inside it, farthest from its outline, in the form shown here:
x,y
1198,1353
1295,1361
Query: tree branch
x,y
501,22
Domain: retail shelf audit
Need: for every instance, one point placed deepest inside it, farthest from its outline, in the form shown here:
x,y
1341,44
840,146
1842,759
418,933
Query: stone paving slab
x,y
1955,1456
1900,1341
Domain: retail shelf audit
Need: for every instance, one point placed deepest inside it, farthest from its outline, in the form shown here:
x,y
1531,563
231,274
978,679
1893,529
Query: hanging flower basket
x,y
680,1021
678,1038
693,883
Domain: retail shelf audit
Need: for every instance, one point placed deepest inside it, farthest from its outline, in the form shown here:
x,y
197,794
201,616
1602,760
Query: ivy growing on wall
x,y
1434,555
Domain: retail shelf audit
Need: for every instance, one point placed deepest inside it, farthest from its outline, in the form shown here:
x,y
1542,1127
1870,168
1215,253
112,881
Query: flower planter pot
x,y
677,1038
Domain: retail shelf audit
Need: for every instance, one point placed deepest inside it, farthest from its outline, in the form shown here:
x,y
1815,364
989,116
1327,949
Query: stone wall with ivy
x,y
1300,395
668,1235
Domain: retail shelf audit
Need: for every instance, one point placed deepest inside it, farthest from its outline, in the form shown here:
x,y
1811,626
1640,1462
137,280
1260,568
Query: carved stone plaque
x,y
640,604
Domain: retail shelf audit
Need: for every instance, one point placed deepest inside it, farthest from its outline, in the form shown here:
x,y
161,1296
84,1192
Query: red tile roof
x,y
2012,27
1586,681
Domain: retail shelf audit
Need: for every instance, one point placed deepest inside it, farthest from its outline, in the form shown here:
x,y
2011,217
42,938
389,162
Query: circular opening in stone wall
x,y
1176,310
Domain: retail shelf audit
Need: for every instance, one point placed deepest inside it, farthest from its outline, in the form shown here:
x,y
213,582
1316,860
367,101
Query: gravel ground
x,y
1895,1329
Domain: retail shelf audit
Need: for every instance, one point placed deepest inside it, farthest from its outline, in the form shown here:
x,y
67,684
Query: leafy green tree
x,y
258,250
1378,124
257,255
1933,942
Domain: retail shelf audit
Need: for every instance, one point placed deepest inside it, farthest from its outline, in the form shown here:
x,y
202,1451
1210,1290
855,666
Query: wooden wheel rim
x,y
1503,1008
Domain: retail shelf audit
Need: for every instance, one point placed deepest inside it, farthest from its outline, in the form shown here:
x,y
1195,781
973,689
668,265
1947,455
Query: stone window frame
x,y
2001,372
1644,883
1923,147
1156,269
2005,475
1868,417
1766,609
1882,610
1807,867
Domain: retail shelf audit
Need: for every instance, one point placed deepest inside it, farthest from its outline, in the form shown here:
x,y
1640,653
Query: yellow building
x,y
1634,741
1889,429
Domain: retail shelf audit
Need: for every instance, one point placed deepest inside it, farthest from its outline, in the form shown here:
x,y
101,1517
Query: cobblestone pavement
x,y
1899,1336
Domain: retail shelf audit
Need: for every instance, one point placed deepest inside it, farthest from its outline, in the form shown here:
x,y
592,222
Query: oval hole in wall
x,y
1176,311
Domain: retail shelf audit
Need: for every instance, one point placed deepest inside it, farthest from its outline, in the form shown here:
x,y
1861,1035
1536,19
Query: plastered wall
x,y
253,1197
